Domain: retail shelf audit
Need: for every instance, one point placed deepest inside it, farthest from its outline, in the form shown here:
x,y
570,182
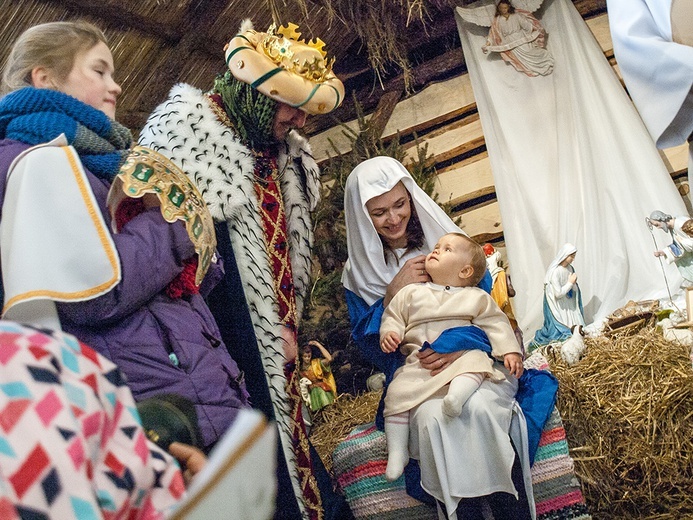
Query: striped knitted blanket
x,y
359,466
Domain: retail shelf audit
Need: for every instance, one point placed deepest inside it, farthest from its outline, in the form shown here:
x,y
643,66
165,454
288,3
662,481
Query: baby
x,y
430,312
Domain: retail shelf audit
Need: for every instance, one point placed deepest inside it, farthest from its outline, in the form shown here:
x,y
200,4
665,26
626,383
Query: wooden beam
x,y
383,112
590,8
116,14
676,159
440,25
483,220
450,141
482,238
465,181
443,66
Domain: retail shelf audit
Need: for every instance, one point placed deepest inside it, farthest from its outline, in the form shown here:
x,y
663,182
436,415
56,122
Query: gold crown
x,y
305,58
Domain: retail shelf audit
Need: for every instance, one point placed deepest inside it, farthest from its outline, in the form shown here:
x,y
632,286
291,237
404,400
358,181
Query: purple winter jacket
x,y
137,326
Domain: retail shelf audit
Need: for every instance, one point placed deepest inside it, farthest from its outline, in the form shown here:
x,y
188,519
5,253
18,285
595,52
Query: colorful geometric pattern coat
x,y
71,443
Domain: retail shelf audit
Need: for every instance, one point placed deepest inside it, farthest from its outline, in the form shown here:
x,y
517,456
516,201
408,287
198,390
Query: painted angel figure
x,y
515,33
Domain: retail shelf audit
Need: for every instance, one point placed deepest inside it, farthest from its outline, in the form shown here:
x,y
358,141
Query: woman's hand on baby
x,y
389,342
513,362
191,459
436,362
413,271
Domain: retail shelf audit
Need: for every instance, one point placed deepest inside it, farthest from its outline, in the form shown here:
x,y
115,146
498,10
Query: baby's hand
x,y
513,362
389,342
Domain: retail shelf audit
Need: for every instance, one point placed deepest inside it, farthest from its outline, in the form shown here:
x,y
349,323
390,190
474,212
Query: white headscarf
x,y
366,274
565,251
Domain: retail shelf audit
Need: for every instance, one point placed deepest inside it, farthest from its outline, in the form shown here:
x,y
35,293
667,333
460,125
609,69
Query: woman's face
x,y
568,260
503,8
91,80
390,213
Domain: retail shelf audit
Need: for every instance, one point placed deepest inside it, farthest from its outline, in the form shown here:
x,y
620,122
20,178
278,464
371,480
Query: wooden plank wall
x,y
444,116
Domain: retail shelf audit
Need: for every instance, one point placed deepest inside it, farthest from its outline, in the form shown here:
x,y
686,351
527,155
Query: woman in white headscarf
x,y
562,299
391,223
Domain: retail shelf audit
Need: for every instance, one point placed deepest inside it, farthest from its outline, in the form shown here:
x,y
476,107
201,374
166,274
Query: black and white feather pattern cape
x,y
185,129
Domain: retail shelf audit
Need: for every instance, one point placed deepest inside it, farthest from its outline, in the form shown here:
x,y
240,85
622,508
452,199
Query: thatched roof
x,y
157,43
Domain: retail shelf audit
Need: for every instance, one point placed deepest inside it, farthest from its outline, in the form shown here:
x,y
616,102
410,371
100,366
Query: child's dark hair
x,y
477,259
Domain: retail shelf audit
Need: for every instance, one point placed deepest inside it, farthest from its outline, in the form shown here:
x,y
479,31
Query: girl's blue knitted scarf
x,y
36,116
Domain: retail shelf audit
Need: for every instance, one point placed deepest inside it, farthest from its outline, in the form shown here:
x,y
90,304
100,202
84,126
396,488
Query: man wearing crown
x,y
256,173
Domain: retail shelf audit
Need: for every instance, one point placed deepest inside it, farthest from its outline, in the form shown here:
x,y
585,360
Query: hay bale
x,y
334,422
627,407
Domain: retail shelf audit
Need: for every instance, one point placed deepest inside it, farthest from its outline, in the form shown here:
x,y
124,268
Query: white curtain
x,y
572,162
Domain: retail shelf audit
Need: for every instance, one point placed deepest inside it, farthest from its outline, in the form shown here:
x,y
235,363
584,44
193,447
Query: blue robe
x,y
553,330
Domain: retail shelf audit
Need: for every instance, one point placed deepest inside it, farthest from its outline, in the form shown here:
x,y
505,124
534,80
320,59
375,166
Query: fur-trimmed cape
x,y
186,129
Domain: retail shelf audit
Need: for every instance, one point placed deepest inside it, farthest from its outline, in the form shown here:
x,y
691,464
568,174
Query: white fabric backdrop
x,y
657,71
572,162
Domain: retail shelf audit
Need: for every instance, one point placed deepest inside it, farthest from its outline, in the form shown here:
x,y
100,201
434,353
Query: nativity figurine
x,y
515,33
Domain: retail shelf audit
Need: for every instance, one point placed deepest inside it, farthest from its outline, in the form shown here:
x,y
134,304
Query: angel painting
x,y
515,34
